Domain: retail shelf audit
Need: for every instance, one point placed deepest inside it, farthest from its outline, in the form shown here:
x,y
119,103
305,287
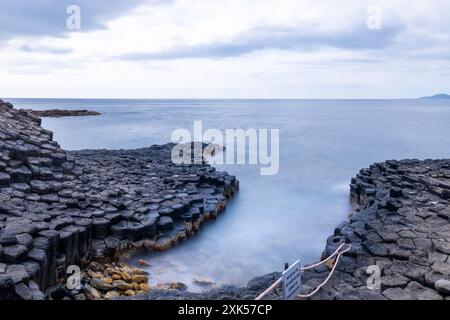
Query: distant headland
x,y
439,96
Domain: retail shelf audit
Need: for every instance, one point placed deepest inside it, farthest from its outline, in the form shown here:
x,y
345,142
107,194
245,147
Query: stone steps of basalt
x,y
61,208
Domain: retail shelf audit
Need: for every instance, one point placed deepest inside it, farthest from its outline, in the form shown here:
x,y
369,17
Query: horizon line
x,y
268,99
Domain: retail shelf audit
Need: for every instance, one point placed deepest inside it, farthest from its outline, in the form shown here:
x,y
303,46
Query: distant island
x,y
438,96
57,113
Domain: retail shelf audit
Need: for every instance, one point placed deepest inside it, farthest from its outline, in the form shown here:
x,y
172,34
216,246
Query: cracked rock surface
x,y
402,226
60,208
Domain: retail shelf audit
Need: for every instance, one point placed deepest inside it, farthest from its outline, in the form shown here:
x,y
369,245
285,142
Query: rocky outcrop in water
x,y
60,208
58,113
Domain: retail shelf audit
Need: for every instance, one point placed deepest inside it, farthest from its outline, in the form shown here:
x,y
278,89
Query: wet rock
x,y
101,285
122,285
111,295
139,278
91,293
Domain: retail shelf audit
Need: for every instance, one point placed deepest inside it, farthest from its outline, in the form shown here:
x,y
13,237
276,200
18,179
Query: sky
x,y
286,49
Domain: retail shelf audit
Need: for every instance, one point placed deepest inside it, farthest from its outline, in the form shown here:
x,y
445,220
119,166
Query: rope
x,y
272,287
337,252
328,278
313,266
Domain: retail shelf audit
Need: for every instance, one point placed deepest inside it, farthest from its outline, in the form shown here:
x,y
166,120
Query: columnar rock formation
x,y
401,226
399,236
61,208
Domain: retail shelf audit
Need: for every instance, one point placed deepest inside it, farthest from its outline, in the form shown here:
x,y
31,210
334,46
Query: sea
x,y
274,219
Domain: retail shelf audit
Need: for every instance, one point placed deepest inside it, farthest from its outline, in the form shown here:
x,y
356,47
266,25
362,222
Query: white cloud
x,y
235,49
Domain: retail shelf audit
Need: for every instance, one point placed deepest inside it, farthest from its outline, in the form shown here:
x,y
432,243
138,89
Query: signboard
x,y
292,281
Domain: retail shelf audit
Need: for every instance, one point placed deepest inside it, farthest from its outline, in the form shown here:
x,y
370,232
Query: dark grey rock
x,y
17,272
14,253
23,292
5,180
397,294
443,286
165,223
6,287
259,284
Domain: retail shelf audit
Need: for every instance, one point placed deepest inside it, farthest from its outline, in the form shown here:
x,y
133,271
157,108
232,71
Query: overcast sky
x,y
225,49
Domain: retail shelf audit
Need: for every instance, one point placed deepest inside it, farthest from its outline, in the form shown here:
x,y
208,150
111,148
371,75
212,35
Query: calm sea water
x,y
274,219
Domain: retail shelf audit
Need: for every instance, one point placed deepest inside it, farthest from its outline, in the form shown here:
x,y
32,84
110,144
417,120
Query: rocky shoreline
x,y
59,208
88,208
400,225
58,113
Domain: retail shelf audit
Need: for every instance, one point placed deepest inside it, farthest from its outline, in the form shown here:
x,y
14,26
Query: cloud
x,y
168,48
48,17
44,49
264,38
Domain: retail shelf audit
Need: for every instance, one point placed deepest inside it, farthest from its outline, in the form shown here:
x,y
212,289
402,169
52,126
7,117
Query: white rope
x,y
337,252
313,266
272,287
328,278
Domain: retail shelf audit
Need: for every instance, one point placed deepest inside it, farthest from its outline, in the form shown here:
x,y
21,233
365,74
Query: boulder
x,y
443,286
101,285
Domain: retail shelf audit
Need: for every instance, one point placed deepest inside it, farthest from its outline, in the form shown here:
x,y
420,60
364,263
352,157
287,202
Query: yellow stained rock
x,y
108,280
139,278
138,272
116,277
111,271
125,276
95,274
144,287
129,293
112,295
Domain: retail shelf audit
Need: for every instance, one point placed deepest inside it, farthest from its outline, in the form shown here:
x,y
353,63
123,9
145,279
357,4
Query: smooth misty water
x,y
274,219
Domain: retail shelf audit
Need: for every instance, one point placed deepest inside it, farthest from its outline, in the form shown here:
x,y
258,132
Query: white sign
x,y
292,281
